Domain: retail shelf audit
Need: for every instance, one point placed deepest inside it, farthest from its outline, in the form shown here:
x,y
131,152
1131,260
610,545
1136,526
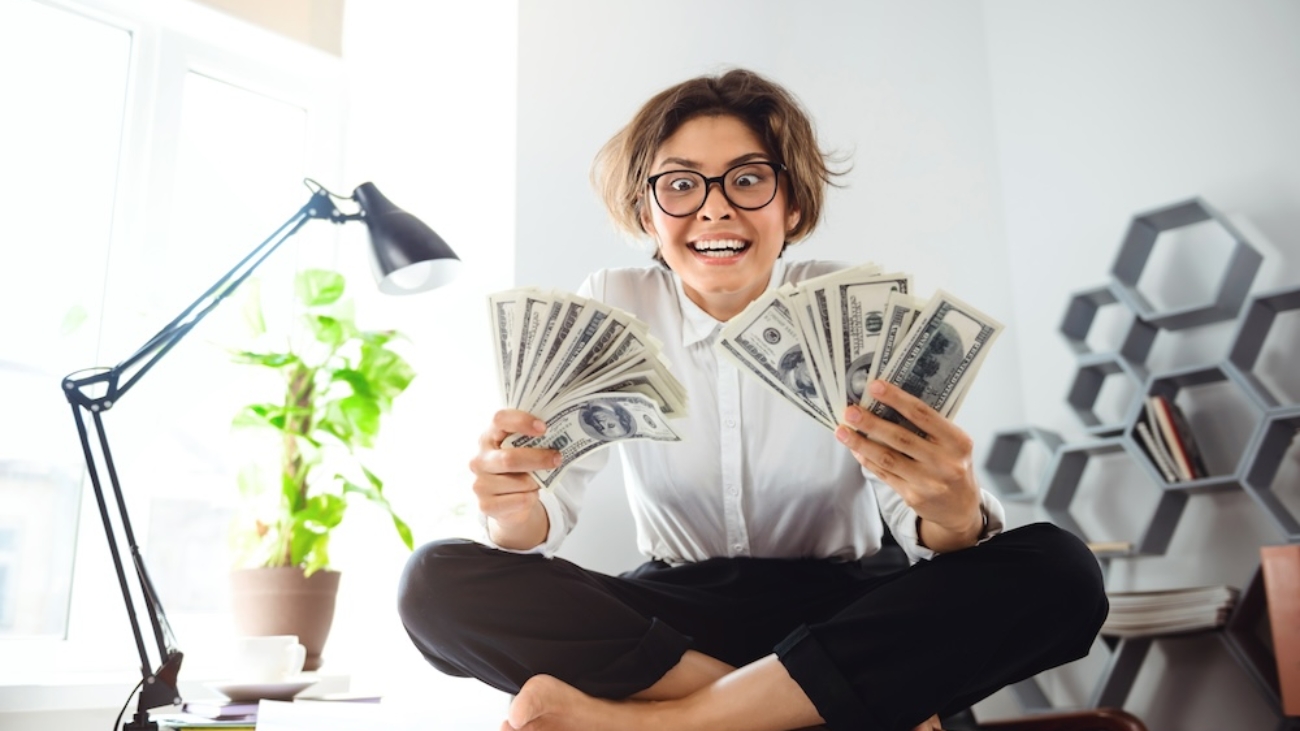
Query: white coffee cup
x,y
268,659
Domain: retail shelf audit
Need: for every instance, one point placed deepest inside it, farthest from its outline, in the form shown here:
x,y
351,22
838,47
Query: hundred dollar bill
x,y
594,422
940,356
561,316
900,312
861,319
821,294
765,341
581,321
540,315
503,310
801,306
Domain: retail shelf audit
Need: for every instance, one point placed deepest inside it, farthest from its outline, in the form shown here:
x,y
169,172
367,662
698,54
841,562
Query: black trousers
x,y
872,650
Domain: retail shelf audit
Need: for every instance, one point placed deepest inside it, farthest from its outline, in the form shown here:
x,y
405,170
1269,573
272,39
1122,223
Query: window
x,y
142,158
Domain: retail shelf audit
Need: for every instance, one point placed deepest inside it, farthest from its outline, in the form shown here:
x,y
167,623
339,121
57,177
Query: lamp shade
x,y
407,255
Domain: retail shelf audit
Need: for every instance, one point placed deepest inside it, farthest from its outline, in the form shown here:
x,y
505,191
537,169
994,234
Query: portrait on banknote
x,y
793,368
606,421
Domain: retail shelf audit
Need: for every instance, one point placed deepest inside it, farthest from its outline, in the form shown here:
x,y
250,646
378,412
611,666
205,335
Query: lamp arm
x,y
97,390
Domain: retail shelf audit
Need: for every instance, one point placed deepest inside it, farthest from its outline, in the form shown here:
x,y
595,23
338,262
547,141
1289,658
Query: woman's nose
x,y
716,207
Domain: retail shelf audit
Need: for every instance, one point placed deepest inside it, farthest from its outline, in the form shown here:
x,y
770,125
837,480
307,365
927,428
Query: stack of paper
x,y
1168,611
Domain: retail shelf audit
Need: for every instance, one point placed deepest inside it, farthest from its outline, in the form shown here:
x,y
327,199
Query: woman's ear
x,y
647,222
792,218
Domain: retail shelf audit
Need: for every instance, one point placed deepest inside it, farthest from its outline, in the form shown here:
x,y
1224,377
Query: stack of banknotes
x,y
819,343
592,372
596,376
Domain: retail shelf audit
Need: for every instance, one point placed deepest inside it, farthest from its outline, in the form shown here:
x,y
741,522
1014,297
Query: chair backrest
x,y
1281,568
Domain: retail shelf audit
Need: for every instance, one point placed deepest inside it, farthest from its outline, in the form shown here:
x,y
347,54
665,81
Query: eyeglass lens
x,y
748,186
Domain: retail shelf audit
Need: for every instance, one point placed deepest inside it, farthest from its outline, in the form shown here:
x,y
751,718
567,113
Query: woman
x,y
754,610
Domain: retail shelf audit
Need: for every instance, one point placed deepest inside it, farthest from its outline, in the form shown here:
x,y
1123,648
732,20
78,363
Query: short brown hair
x,y
776,117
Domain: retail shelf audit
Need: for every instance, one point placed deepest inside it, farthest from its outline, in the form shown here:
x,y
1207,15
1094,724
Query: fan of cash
x,y
819,343
592,372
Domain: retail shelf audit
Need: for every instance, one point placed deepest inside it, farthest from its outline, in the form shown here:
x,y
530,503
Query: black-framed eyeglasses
x,y
748,186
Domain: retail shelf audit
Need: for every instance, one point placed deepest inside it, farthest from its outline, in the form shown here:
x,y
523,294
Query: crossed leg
x,y
758,697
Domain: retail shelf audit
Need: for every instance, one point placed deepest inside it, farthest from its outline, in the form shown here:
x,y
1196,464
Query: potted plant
x,y
338,382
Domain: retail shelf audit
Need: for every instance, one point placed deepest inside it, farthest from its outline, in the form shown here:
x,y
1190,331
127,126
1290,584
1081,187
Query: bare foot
x,y
549,704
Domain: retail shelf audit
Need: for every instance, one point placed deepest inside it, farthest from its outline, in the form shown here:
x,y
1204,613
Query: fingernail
x,y
877,387
539,426
853,415
557,460
842,434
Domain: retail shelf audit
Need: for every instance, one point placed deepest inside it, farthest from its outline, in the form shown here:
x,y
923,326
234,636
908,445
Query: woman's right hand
x,y
507,493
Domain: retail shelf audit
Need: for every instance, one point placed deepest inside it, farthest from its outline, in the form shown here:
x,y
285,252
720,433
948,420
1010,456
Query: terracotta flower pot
x,y
281,601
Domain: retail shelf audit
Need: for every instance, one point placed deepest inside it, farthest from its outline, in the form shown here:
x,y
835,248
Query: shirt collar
x,y
698,325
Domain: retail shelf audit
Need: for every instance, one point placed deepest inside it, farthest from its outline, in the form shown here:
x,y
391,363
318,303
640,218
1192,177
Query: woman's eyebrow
x,y
692,164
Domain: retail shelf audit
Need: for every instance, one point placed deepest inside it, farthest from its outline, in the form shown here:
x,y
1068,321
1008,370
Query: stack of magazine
x,y
1166,437
1168,611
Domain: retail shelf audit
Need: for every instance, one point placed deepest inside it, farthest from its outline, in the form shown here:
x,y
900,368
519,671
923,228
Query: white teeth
x,y
718,245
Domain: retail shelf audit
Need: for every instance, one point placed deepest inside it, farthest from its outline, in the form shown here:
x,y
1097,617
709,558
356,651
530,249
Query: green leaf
x,y
387,372
73,319
270,360
328,330
252,308
263,415
318,287
374,493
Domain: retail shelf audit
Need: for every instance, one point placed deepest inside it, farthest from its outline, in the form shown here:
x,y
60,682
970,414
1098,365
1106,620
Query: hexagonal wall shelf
x,y
1066,475
1081,313
1094,373
1260,314
1221,304
1005,453
1236,424
1270,448
1081,316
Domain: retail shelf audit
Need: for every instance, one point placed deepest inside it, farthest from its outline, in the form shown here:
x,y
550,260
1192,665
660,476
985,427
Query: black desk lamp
x,y
407,257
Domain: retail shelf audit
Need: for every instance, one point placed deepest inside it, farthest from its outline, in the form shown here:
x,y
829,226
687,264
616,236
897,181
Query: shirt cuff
x,y
908,537
555,533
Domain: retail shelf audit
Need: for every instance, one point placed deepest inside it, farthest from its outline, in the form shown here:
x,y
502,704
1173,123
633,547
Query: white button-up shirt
x,y
752,476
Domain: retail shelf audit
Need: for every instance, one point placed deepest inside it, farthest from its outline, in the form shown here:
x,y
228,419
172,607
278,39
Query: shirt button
x,y
738,547
731,423
732,491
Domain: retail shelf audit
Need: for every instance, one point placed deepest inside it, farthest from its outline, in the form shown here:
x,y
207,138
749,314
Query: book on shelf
x,y
1176,434
1280,566
1168,611
1103,549
1184,430
1156,452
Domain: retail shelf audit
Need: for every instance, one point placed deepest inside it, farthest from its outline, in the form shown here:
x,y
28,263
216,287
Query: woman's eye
x,y
681,185
745,180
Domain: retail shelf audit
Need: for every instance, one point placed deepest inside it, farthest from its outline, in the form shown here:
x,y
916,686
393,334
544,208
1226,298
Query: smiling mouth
x,y
719,249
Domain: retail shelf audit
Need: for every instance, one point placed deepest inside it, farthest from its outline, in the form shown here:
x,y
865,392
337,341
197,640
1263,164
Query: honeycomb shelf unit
x,y
1252,464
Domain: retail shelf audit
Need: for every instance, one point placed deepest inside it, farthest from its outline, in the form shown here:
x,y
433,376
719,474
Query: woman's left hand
x,y
933,474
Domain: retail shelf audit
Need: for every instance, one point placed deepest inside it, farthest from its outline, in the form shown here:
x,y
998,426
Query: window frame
x,y
169,39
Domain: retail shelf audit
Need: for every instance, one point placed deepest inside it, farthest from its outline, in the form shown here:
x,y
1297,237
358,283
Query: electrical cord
x,y
118,723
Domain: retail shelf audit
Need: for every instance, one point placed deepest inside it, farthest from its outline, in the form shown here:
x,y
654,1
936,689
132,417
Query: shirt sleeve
x,y
562,502
563,499
901,519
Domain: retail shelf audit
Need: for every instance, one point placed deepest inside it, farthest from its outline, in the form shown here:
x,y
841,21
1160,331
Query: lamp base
x,y
141,722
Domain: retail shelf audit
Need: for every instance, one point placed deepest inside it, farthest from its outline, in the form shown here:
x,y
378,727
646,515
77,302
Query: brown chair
x,y
1099,719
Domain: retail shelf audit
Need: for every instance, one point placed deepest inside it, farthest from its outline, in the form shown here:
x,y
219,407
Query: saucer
x,y
274,691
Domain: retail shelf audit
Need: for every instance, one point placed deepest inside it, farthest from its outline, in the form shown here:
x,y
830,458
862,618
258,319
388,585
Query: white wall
x,y
432,123
901,88
1104,110
1000,150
